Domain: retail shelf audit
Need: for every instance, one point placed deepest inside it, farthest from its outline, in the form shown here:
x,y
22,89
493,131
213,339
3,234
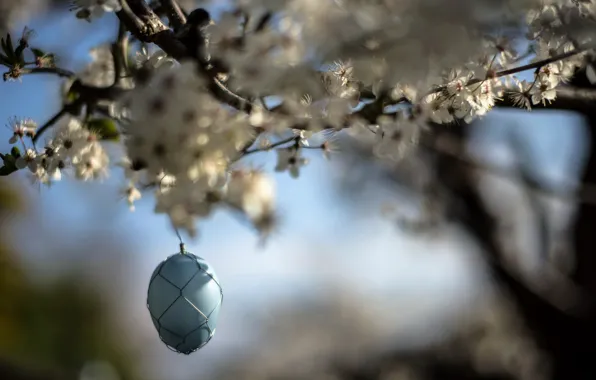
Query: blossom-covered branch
x,y
189,98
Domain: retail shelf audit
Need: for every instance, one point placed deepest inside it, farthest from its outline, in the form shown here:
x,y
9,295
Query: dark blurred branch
x,y
454,147
87,96
529,181
585,225
48,124
428,365
569,98
11,371
568,340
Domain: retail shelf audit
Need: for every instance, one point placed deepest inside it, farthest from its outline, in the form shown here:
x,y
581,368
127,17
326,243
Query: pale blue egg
x,y
184,300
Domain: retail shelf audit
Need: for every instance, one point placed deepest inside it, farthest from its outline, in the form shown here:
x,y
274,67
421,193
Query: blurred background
x,y
339,282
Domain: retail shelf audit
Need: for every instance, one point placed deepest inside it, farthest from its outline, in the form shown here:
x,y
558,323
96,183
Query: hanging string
x,y
182,250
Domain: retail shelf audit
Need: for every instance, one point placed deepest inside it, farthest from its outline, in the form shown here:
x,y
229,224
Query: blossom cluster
x,y
72,147
180,136
373,68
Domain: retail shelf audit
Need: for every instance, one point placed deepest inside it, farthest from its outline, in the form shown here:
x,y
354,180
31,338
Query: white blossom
x,y
100,72
21,128
132,194
27,160
72,146
396,138
93,9
91,163
179,130
253,192
289,159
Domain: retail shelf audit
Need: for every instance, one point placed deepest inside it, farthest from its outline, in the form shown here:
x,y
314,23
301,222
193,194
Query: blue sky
x,y
322,240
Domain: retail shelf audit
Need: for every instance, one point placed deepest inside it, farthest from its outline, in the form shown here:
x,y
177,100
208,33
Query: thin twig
x,y
49,123
272,146
48,70
539,64
519,69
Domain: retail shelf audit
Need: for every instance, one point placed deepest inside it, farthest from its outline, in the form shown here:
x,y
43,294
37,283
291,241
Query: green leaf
x,y
9,162
20,53
15,152
71,96
3,44
9,49
4,60
106,128
6,170
38,53
23,44
9,42
8,53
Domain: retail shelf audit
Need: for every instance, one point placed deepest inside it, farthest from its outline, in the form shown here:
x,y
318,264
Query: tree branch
x,y
568,98
48,70
539,64
120,54
519,69
447,145
147,27
175,13
144,24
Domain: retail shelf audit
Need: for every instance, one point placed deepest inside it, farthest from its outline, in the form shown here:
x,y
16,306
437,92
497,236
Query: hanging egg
x,y
184,299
